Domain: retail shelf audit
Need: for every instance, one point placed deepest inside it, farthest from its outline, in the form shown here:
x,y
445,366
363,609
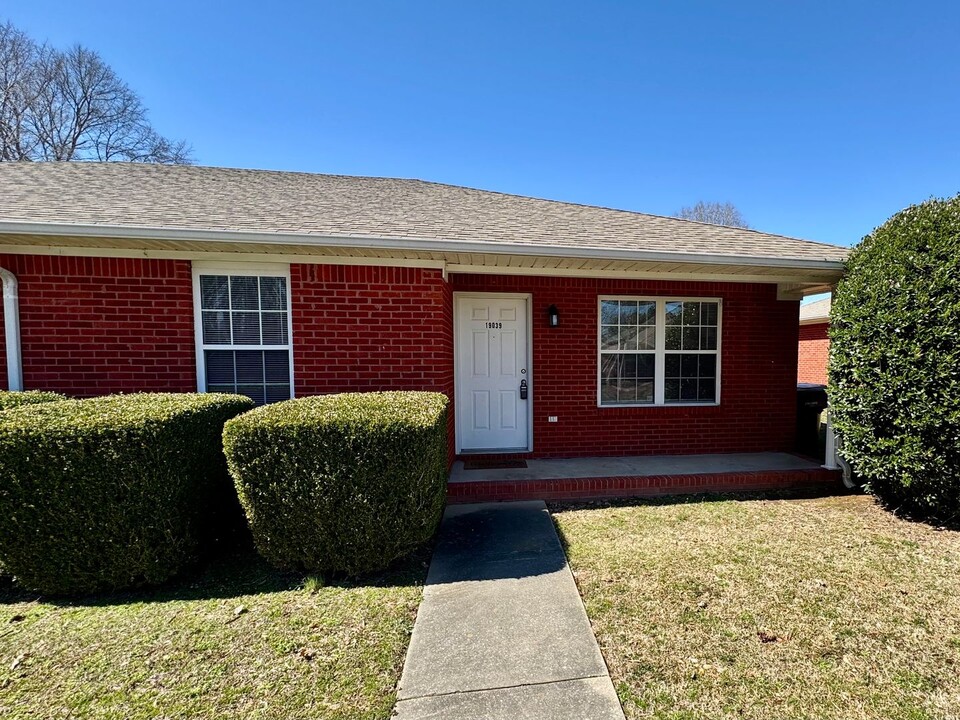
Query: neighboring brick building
x,y
557,329
813,348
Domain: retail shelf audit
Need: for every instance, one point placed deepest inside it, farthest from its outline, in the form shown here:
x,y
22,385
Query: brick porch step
x,y
584,488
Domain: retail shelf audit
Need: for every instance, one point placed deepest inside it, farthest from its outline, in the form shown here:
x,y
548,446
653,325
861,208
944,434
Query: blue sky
x,y
817,119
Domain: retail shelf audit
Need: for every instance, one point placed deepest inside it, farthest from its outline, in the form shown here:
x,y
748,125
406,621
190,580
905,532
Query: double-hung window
x,y
243,332
658,351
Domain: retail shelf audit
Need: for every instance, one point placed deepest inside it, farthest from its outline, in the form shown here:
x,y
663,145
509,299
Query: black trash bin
x,y
811,401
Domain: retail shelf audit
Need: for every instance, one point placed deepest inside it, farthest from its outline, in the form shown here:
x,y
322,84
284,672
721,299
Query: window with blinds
x,y
244,325
658,351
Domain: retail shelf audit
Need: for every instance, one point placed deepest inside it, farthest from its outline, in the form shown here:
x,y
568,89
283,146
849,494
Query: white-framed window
x,y
658,351
242,316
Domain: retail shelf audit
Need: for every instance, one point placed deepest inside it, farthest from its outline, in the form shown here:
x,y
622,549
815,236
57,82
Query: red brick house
x,y
557,329
813,347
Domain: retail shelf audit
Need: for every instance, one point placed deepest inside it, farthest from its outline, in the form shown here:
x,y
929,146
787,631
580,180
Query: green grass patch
x,y
770,608
240,640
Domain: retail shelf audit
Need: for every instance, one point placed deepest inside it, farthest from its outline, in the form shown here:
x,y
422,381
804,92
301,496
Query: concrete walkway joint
x,y
502,632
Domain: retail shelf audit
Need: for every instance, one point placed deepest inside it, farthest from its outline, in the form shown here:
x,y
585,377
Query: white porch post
x,y
11,325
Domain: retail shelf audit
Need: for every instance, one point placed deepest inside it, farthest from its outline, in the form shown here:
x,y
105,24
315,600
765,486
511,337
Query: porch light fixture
x,y
553,316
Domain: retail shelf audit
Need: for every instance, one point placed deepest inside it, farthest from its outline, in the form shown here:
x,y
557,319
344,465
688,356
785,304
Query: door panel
x,y
491,363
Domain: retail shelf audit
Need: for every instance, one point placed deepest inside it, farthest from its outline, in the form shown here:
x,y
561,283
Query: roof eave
x,y
20,227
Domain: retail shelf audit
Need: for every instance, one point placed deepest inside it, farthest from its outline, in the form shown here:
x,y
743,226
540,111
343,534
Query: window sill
x,y
658,405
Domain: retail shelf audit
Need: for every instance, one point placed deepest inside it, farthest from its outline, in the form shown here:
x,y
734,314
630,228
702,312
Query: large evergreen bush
x,y
895,360
112,492
341,483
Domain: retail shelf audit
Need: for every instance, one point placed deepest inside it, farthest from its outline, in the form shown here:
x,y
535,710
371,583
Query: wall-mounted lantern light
x,y
553,316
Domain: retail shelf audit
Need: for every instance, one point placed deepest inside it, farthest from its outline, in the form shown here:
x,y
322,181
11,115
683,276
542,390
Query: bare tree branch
x,y
70,105
714,213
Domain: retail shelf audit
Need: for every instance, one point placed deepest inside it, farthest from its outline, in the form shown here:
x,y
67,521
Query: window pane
x,y
708,390
709,314
222,388
244,293
688,389
674,313
249,366
647,338
628,312
645,365
708,366
708,338
274,328
219,368
691,313
246,328
254,392
216,327
645,391
626,378
273,293
671,391
689,365
691,338
673,338
608,392
628,338
609,312
647,313
214,293
276,365
671,366
276,393
609,337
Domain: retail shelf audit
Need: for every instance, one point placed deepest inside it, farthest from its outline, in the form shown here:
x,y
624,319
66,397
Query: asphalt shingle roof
x,y
223,199
815,310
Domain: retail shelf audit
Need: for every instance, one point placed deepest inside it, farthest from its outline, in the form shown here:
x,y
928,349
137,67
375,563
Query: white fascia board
x,y
427,245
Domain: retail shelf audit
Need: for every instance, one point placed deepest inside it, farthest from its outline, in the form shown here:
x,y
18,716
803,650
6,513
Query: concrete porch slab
x,y
635,466
646,476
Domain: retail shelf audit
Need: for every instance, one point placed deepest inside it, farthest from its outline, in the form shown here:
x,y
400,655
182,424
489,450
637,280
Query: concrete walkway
x,y
501,633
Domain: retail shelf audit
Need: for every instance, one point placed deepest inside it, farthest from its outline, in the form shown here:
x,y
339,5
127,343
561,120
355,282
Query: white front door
x,y
492,373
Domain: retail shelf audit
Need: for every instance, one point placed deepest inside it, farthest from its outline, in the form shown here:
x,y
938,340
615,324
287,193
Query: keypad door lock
x,y
523,389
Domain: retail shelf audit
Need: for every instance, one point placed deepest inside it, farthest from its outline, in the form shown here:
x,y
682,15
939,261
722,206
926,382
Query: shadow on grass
x,y
228,575
557,506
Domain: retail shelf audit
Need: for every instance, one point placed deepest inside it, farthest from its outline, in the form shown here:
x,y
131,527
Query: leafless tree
x,y
70,105
714,213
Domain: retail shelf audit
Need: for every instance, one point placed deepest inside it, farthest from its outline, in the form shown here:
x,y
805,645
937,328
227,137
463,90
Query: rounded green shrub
x,y
341,483
110,493
13,399
895,360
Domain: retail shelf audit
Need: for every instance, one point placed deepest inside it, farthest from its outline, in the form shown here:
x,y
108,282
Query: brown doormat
x,y
493,464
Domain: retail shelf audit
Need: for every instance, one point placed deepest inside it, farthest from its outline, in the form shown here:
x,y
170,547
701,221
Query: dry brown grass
x,y
771,608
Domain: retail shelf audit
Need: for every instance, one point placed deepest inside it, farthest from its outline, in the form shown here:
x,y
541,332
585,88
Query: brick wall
x,y
96,325
93,325
758,377
371,328
813,349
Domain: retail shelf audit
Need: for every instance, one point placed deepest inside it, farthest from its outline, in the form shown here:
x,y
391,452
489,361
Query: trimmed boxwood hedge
x,y
341,483
895,360
17,398
112,492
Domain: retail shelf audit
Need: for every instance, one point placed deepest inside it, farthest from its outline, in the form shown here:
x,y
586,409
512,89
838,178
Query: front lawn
x,y
239,641
771,608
